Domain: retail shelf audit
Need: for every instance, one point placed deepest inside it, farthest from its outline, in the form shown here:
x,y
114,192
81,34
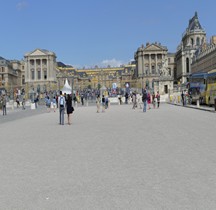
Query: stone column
x,y
139,57
48,68
42,73
150,70
27,69
143,64
35,69
156,67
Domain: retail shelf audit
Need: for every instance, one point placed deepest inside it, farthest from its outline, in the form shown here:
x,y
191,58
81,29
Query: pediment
x,y
37,52
153,47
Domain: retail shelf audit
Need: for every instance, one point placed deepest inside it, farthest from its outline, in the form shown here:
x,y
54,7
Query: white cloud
x,y
22,5
113,63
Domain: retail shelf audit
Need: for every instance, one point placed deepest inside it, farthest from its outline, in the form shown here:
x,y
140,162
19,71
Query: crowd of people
x,y
63,102
147,100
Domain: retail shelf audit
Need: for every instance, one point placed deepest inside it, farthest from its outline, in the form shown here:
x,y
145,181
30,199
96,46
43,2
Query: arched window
x,y
198,41
187,65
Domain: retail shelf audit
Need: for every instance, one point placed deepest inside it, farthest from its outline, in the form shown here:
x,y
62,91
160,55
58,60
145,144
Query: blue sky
x,y
97,32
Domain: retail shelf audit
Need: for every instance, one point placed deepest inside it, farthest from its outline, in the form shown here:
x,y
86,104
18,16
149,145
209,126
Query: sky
x,y
97,32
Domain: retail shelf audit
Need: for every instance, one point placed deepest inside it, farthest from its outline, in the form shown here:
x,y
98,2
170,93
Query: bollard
x,y
198,103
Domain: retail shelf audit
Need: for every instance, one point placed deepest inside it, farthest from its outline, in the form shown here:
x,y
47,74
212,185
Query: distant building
x,y
11,75
95,77
192,39
40,70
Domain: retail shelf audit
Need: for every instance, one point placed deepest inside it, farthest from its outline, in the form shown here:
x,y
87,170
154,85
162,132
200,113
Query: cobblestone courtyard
x,y
120,159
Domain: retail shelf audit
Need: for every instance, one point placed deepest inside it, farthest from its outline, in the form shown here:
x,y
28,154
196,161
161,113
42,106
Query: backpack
x,y
144,97
61,101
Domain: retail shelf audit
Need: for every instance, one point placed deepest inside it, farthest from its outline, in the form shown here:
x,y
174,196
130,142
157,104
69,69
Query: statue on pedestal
x,y
164,71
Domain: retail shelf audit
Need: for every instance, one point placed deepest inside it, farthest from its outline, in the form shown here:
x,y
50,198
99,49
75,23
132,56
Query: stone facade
x,y
11,75
205,58
40,70
94,77
155,67
192,39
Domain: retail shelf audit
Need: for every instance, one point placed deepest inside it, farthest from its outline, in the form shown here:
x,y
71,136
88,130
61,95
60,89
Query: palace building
x,y
40,70
192,39
204,59
155,67
97,77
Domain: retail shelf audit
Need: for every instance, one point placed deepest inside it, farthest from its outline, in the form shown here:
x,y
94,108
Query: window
x,y
153,69
166,89
198,41
32,62
38,62
187,65
159,56
192,42
39,74
146,69
44,61
45,74
23,79
32,75
3,70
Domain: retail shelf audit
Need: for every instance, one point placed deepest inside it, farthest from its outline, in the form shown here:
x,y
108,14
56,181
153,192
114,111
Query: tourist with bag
x,y
70,108
61,105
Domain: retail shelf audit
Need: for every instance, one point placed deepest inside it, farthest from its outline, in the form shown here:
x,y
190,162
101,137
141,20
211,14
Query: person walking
x,y
144,99
183,99
61,105
103,103
23,103
82,99
98,103
149,99
69,107
153,100
18,101
158,99
126,98
48,103
134,100
54,103
139,100
4,105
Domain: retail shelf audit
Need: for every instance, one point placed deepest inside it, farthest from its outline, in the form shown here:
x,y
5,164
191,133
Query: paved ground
x,y
121,159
